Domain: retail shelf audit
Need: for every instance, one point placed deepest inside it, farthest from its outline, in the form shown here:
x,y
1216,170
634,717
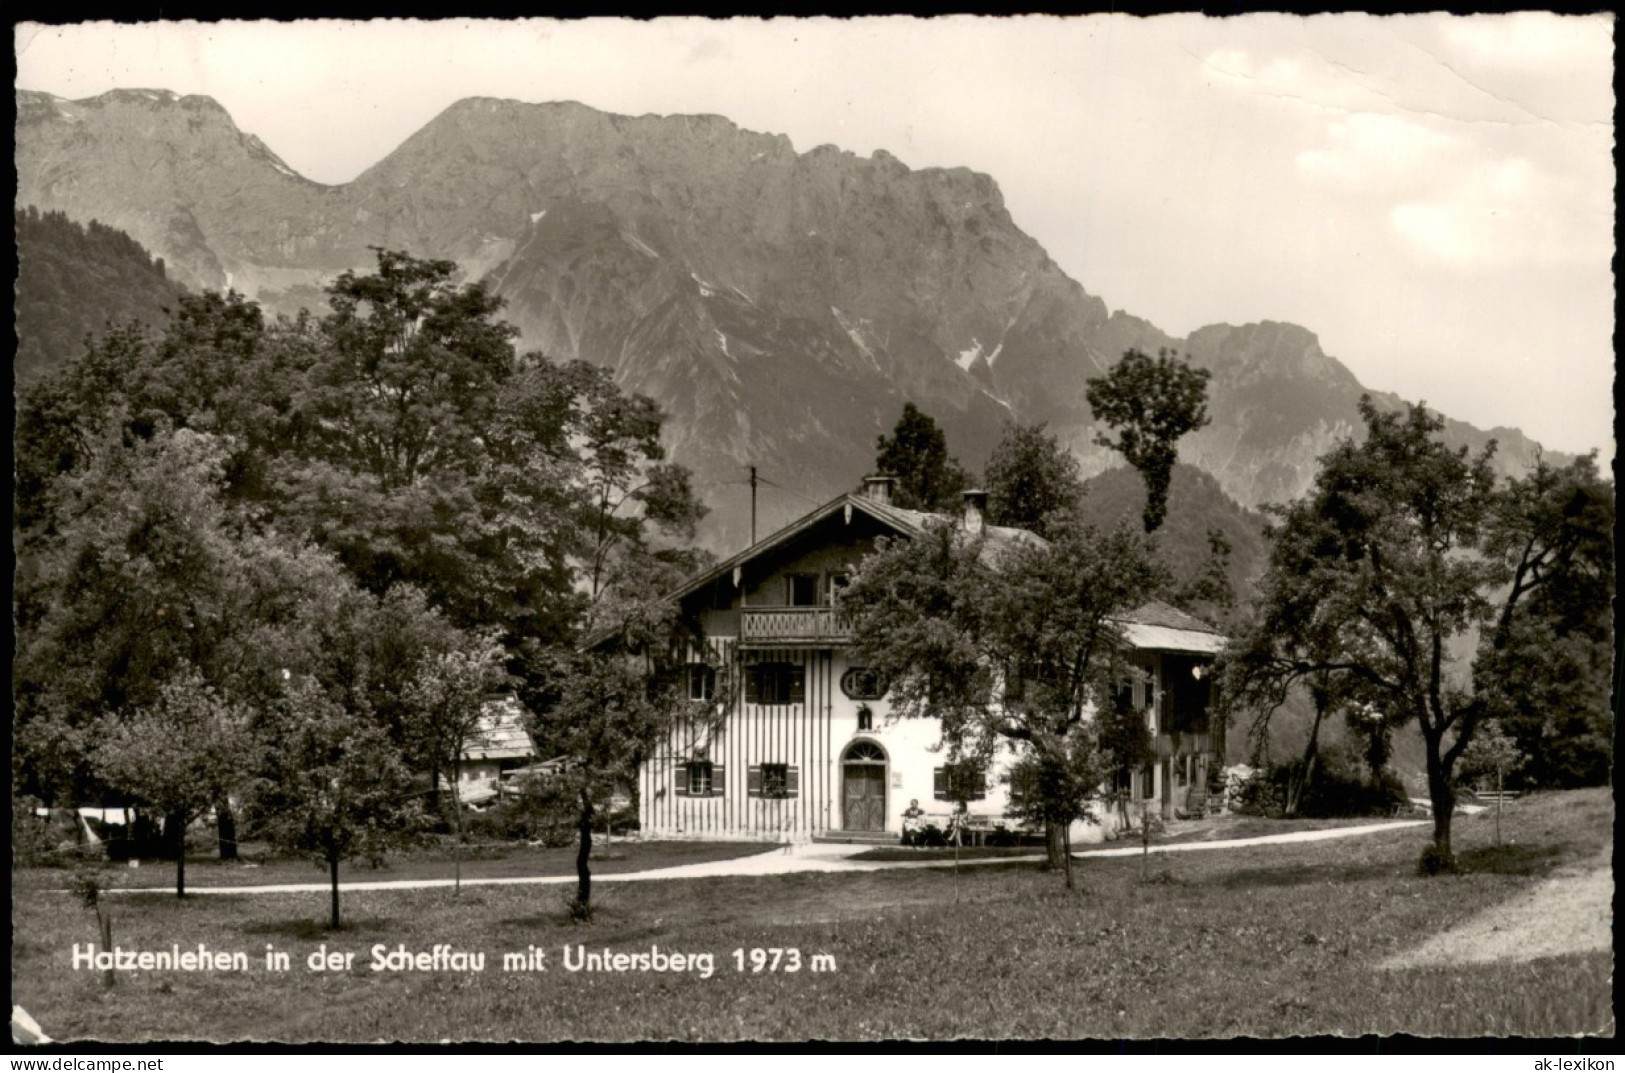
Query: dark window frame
x,y
801,590
776,683
860,683
945,780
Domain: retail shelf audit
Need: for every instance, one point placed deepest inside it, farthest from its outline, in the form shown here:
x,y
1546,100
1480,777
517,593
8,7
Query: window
x,y
860,683
699,778
774,780
702,681
1148,781
962,781
775,683
801,590
866,718
837,585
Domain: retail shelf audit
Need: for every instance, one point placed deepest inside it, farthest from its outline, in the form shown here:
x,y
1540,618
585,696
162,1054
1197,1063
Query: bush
x,y
1338,788
1259,795
34,839
1336,792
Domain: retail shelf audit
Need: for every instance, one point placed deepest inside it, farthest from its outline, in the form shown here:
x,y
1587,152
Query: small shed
x,y
498,743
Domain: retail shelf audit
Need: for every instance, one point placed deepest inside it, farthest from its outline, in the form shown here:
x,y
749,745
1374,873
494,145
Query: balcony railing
x,y
783,625
1184,742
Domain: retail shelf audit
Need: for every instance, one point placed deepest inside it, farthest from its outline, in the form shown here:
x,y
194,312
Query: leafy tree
x,y
1208,593
73,280
1383,569
331,785
1051,784
1150,403
1544,665
122,593
916,453
603,707
179,756
1014,645
629,494
1492,752
1030,477
445,701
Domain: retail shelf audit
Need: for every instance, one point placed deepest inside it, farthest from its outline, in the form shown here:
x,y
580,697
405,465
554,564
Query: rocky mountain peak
x,y
780,305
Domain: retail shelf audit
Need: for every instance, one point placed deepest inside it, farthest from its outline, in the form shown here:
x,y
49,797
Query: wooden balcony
x,y
1186,743
793,625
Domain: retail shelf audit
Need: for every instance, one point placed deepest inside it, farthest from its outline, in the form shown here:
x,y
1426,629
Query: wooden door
x,y
864,797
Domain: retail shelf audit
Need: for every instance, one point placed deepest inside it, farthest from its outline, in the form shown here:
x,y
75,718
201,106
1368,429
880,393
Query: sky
x,y
1431,195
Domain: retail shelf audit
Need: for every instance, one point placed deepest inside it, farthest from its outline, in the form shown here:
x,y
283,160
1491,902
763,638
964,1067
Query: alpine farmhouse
x,y
808,750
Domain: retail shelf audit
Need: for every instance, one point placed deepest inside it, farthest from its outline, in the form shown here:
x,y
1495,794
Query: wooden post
x,y
1500,802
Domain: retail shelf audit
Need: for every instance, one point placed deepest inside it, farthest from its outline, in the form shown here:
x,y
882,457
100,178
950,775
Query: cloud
x,y
1500,213
1304,78
1368,148
1534,40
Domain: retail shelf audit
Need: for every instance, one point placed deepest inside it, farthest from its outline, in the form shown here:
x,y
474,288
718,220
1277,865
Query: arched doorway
x,y
863,787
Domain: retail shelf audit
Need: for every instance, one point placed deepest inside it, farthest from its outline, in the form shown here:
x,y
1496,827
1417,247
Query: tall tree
x,y
602,708
1544,665
916,453
1383,562
1030,477
1151,403
1011,646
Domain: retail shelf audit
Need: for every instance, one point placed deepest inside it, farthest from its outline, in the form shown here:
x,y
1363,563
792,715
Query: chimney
x,y
878,488
975,510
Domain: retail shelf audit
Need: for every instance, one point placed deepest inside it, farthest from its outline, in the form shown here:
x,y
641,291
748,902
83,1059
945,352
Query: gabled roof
x,y
904,522
1153,625
1163,627
499,733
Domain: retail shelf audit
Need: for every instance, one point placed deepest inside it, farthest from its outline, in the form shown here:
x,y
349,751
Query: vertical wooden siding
x,y
753,734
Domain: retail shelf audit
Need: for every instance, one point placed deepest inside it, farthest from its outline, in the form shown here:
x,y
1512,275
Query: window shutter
x,y
682,779
753,685
939,783
753,780
717,783
792,782
798,685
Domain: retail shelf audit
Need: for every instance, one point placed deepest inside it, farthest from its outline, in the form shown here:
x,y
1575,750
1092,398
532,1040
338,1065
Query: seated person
x,y
912,817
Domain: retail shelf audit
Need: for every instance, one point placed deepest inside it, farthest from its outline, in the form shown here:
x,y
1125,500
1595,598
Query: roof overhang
x,y
903,522
1168,639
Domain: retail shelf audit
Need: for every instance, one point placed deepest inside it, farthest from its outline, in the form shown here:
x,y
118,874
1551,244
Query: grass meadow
x,y
480,861
1271,941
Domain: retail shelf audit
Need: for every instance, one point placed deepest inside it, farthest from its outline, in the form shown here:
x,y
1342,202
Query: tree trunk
x,y
1055,846
1443,799
226,829
583,852
1500,800
1297,786
105,920
177,822
1066,838
333,876
457,835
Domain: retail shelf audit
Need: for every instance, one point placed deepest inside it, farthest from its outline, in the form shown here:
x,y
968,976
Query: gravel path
x,y
801,857
1571,913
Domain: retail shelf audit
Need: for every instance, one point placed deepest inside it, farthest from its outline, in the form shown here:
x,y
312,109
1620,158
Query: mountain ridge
x,y
781,305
